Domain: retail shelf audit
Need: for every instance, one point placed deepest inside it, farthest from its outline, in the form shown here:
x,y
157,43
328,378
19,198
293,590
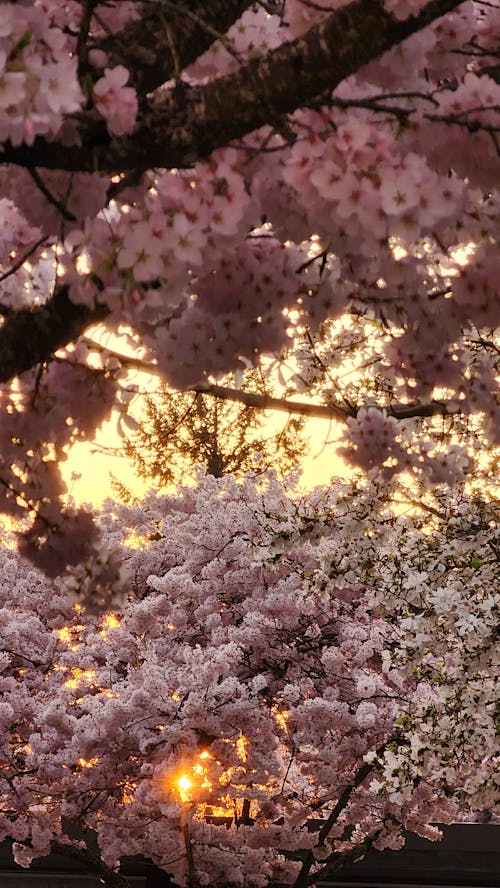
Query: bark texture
x,y
184,125
169,37
30,337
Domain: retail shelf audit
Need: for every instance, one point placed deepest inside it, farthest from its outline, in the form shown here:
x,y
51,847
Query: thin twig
x,y
22,259
37,179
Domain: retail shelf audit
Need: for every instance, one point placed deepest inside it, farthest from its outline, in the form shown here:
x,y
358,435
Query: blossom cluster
x,y
273,651
30,471
380,199
250,37
38,79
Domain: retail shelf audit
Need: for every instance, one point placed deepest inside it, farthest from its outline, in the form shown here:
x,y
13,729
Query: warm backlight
x,y
184,786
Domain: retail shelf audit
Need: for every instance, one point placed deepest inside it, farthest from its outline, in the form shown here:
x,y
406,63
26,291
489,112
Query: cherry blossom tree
x,y
291,683
211,179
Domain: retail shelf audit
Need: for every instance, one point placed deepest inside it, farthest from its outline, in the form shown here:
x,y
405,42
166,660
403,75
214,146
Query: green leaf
x,y
23,41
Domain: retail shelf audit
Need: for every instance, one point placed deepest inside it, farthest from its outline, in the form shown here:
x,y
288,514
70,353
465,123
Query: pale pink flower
x,y
225,215
352,135
366,714
139,253
186,241
7,25
397,193
12,88
59,87
326,178
116,102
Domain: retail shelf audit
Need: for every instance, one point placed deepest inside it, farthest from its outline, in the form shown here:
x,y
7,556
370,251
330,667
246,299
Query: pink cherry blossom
x,y
140,254
256,651
161,197
116,102
186,242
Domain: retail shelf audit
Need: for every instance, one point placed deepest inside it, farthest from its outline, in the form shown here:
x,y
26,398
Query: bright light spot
x,y
88,763
111,621
134,541
399,252
128,790
69,635
184,784
464,253
107,692
83,265
65,635
194,780
241,747
79,676
281,718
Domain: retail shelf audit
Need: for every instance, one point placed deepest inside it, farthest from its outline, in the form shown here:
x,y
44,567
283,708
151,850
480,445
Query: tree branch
x,y
184,125
343,800
166,36
322,411
266,402
31,336
93,862
300,408
338,860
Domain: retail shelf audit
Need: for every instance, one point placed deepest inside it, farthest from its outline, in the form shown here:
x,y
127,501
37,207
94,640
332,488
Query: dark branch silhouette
x,y
184,125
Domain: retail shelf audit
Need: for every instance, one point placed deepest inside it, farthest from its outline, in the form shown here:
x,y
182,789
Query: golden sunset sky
x,y
94,466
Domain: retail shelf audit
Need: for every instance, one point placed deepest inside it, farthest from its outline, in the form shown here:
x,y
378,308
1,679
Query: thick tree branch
x,y
266,402
93,863
338,860
185,125
30,337
167,37
321,411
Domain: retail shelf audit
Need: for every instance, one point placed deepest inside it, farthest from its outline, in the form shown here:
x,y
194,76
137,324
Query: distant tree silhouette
x,y
183,430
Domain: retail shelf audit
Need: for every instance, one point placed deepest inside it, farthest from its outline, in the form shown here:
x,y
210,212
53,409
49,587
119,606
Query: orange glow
x,y
128,790
193,780
69,636
88,763
198,784
111,621
107,692
281,718
135,540
183,786
65,635
79,676
241,747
